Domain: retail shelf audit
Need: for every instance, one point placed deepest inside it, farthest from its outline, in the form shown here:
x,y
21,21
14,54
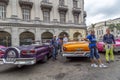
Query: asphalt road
x,y
62,69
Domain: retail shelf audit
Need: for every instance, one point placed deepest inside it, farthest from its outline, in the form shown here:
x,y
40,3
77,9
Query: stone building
x,y
100,27
22,21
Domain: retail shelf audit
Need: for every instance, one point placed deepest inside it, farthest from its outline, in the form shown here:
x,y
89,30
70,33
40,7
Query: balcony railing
x,y
5,1
63,8
21,22
26,3
46,5
76,10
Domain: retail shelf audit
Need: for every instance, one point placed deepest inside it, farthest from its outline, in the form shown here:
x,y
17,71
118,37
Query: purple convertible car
x,y
26,55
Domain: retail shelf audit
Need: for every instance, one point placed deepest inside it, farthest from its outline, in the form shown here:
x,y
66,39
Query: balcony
x,y
28,3
85,14
5,1
76,10
63,8
46,5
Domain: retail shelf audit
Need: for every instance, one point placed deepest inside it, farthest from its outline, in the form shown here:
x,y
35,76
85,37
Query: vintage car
x,y
101,48
76,49
26,54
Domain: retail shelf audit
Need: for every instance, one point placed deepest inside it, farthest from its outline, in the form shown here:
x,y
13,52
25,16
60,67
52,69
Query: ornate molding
x,y
76,10
62,8
46,5
5,1
26,3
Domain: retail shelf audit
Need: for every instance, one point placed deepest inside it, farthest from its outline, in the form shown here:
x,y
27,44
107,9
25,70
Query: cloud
x,y
99,10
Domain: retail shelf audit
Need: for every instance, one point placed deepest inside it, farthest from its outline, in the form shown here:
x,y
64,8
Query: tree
x,y
112,26
93,26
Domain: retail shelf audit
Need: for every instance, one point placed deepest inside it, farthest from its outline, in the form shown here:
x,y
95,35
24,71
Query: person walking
x,y
91,38
54,45
60,43
109,41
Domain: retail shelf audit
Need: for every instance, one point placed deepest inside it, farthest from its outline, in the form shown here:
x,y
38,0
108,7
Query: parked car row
x,y
30,54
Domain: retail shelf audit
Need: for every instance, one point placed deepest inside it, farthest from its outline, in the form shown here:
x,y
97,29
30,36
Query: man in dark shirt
x,y
54,44
109,40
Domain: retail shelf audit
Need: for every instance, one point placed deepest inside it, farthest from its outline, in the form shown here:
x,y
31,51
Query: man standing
x,y
109,40
55,47
65,39
93,50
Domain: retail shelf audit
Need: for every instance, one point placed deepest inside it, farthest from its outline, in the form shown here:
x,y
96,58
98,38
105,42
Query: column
x,y
38,34
15,37
82,11
14,8
37,10
57,32
69,13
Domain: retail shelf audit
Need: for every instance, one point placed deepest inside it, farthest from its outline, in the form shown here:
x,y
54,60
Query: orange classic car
x,y
76,49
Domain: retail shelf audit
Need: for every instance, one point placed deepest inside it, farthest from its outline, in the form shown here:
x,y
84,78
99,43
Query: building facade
x,y
100,27
22,21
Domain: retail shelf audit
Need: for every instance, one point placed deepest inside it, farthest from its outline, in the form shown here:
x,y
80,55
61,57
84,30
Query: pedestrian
x,y
91,38
65,39
54,45
109,41
60,43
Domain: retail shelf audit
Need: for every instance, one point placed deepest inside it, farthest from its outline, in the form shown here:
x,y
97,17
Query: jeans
x,y
60,47
94,53
54,52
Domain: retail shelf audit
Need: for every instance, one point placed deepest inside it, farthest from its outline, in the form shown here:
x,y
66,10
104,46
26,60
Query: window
x,y
2,12
46,15
61,2
62,17
75,3
26,14
76,18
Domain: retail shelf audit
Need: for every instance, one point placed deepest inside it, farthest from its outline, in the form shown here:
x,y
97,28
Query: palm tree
x,y
93,26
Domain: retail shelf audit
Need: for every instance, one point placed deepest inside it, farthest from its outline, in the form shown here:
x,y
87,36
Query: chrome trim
x,y
74,54
21,61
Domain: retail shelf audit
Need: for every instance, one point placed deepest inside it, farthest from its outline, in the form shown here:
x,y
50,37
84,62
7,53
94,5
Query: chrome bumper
x,y
75,54
19,61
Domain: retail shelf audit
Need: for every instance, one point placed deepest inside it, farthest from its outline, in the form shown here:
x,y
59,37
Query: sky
x,y
101,10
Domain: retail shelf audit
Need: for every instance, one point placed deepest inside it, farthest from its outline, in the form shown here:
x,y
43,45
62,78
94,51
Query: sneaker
x,y
103,66
94,65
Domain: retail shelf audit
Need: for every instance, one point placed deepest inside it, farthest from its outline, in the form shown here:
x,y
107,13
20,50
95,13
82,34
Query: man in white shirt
x,y
65,39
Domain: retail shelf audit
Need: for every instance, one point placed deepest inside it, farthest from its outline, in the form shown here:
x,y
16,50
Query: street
x,y
75,69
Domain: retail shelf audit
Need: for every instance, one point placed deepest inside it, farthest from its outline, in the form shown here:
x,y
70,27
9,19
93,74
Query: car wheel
x,y
11,54
45,59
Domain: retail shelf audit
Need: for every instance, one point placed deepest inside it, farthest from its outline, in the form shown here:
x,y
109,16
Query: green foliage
x,y
112,26
93,26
